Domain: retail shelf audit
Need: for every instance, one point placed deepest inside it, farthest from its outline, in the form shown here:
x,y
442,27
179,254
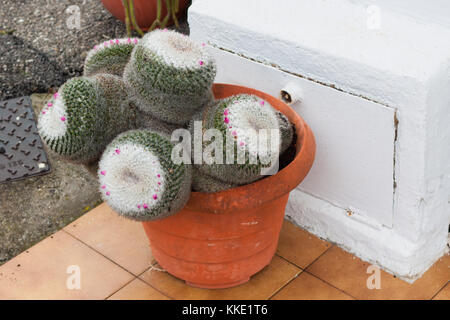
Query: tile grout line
x,y
143,280
135,276
114,292
439,291
341,290
310,264
301,268
79,240
287,283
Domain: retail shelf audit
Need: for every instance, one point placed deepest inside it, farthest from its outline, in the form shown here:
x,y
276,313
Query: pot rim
x,y
269,188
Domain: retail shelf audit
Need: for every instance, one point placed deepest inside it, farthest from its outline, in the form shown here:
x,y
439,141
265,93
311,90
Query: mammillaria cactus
x,y
171,76
240,119
286,132
203,183
85,115
109,57
139,180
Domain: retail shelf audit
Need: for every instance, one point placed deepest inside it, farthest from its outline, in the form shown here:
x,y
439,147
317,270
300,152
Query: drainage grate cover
x,y
21,152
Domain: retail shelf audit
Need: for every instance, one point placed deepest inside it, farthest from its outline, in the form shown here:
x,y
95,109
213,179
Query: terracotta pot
x,y
221,239
144,10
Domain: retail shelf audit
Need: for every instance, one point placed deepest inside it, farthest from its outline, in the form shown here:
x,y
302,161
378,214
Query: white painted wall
x,y
404,67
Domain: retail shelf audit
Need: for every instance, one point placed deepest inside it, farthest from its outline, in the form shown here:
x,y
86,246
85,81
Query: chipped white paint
x,y
403,66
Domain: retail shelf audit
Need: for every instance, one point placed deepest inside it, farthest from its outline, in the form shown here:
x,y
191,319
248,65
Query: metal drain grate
x,y
21,152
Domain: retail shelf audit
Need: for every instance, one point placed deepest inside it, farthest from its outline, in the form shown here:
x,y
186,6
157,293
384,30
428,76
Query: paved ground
x,y
33,208
38,53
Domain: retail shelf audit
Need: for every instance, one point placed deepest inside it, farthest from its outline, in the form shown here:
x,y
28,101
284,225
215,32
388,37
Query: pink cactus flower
x,y
158,175
117,41
56,95
63,119
262,102
43,112
117,151
50,104
226,120
234,133
139,206
108,193
201,62
225,113
135,41
155,196
103,187
145,206
103,173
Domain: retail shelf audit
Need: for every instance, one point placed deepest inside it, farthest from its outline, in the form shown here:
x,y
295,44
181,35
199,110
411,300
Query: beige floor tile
x,y
43,272
348,273
261,286
299,246
138,290
308,287
121,240
444,294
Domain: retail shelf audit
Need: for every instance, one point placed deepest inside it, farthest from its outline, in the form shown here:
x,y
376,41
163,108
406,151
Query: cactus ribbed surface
x,y
171,76
240,118
109,57
85,115
139,180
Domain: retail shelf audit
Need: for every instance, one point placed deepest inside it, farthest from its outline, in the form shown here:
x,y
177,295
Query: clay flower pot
x,y
221,239
145,11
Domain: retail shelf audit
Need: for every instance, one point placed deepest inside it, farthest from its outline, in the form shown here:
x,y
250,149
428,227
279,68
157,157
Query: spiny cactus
x,y
148,121
109,57
203,183
85,115
171,76
139,180
286,131
240,119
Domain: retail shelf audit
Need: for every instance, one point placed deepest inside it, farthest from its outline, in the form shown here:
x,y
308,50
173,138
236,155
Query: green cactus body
x,y
286,132
139,180
84,116
171,76
235,117
109,57
148,121
203,183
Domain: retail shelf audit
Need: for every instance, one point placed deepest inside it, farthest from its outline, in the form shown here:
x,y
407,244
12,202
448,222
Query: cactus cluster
x,y
133,95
